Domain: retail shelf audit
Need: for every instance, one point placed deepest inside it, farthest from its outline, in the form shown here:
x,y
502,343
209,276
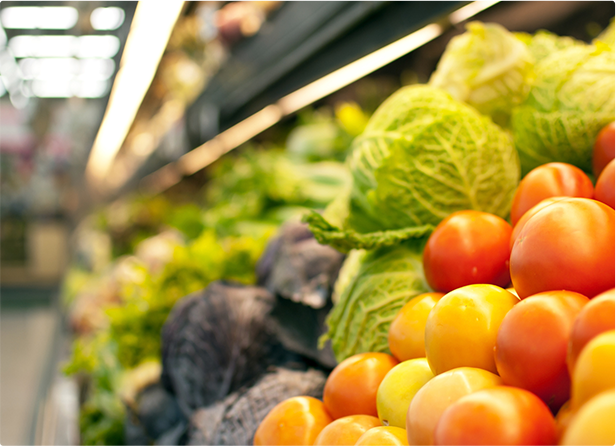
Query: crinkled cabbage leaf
x,y
486,67
543,43
571,99
372,288
422,156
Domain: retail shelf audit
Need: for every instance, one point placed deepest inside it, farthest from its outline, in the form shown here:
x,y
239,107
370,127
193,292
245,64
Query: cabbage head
x,y
543,43
571,99
486,67
373,286
607,35
422,156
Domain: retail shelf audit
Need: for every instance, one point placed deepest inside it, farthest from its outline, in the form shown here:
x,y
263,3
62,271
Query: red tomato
x,y
568,245
351,387
595,318
531,345
527,215
549,180
498,415
603,151
466,248
604,189
297,420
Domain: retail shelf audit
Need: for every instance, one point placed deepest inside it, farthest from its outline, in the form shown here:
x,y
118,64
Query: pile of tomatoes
x,y
516,344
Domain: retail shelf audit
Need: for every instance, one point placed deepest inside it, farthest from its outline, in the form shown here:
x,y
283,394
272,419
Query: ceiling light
x,y
109,18
97,46
32,17
91,88
96,69
468,11
3,38
2,88
57,88
149,33
42,46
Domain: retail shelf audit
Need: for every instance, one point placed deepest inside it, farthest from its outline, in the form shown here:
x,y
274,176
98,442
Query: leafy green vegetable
x,y
543,43
372,287
570,101
607,36
486,67
422,156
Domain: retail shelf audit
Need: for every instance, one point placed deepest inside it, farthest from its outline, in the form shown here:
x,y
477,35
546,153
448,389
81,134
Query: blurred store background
x,y
112,118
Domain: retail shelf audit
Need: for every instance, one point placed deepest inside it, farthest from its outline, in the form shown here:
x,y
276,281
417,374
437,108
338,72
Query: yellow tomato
x,y
461,328
594,422
438,394
398,389
346,430
383,436
407,330
594,369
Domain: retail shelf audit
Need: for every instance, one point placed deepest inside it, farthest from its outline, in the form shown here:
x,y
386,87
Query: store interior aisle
x,y
30,334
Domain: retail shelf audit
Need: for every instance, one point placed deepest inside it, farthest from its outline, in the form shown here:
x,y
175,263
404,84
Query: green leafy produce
x,y
371,289
607,36
571,99
422,156
543,43
486,67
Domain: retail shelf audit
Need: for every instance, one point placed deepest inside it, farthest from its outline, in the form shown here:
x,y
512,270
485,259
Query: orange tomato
x,y
407,331
384,436
438,394
563,418
498,415
297,420
593,423
527,215
596,317
346,430
546,181
604,189
603,150
351,387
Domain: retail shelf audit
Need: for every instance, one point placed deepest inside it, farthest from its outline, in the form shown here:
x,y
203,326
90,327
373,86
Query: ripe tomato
x,y
531,345
528,214
604,189
594,370
438,394
297,420
398,389
498,415
465,248
351,387
346,430
593,423
383,436
546,181
568,245
596,317
406,333
563,418
603,151
461,328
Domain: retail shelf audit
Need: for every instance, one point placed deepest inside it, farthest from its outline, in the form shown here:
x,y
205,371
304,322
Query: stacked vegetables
x,y
435,180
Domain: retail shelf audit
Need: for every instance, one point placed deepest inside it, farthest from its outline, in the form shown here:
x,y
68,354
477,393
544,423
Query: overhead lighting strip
x,y
150,31
242,132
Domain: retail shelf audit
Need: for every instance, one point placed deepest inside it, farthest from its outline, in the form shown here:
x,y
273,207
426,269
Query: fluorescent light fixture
x,y
468,11
97,46
32,17
109,18
3,38
90,88
96,69
146,43
42,46
57,88
2,88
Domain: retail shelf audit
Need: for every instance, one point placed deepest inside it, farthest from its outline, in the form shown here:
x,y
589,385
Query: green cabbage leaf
x,y
571,99
422,156
543,43
371,289
486,67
